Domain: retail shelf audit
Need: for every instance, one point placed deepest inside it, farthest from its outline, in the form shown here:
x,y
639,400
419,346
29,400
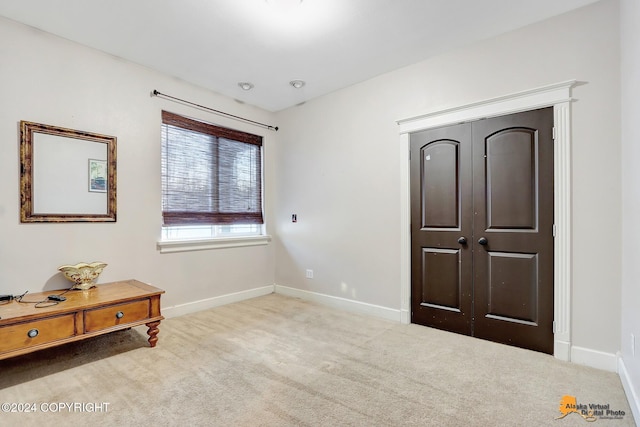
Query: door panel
x,y
513,287
513,271
441,279
511,179
491,183
439,184
441,288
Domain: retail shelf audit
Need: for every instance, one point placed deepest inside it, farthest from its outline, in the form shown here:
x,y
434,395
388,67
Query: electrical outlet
x,y
309,274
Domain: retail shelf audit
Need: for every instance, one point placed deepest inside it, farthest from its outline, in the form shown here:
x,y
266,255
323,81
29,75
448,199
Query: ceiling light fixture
x,y
297,83
245,85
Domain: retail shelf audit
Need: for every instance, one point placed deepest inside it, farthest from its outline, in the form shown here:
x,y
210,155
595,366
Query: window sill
x,y
168,246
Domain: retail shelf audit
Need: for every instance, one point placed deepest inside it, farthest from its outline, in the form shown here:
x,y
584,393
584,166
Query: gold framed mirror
x,y
66,175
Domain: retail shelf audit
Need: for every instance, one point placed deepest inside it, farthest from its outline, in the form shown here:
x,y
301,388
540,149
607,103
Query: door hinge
x,y
554,327
553,133
554,229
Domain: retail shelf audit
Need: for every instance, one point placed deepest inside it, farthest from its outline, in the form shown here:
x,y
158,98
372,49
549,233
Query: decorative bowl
x,y
83,275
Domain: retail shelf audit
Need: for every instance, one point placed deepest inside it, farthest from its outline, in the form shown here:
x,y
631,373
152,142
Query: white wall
x,y
338,164
49,80
630,38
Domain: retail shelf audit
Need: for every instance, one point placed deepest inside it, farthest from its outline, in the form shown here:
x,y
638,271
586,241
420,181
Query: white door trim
x,y
557,96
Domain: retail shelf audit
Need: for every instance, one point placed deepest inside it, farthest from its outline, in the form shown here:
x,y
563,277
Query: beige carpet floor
x,y
281,361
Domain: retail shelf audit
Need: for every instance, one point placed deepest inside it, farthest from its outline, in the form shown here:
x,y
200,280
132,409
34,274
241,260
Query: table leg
x,y
153,332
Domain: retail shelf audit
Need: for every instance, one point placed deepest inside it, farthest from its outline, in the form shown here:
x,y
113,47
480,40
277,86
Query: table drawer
x,y
29,334
114,315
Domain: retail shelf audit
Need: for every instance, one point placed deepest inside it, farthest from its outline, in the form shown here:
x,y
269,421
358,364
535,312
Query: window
x,y
211,180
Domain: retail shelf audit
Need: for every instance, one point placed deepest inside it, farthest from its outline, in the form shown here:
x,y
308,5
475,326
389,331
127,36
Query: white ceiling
x,y
330,44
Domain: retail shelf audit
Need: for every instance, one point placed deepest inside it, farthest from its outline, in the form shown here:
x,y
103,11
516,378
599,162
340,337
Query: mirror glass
x,y
66,175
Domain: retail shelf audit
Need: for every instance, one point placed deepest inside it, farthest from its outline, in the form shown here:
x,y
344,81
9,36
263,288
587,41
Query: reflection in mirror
x,y
66,175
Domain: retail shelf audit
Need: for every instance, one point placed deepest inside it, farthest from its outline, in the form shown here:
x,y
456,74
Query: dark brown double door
x,y
482,229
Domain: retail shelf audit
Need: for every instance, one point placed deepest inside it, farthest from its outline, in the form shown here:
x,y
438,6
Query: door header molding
x,y
531,99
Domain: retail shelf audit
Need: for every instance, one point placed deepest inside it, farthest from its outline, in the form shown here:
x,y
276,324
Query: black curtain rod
x,y
273,128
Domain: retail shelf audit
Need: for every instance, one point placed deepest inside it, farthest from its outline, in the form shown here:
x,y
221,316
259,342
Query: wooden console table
x,y
105,308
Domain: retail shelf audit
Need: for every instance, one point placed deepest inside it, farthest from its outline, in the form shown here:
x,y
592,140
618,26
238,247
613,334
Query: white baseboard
x,y
594,358
341,303
192,307
629,390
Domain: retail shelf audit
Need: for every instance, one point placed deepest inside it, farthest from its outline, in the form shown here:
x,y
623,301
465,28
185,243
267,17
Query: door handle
x,y
462,240
483,241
